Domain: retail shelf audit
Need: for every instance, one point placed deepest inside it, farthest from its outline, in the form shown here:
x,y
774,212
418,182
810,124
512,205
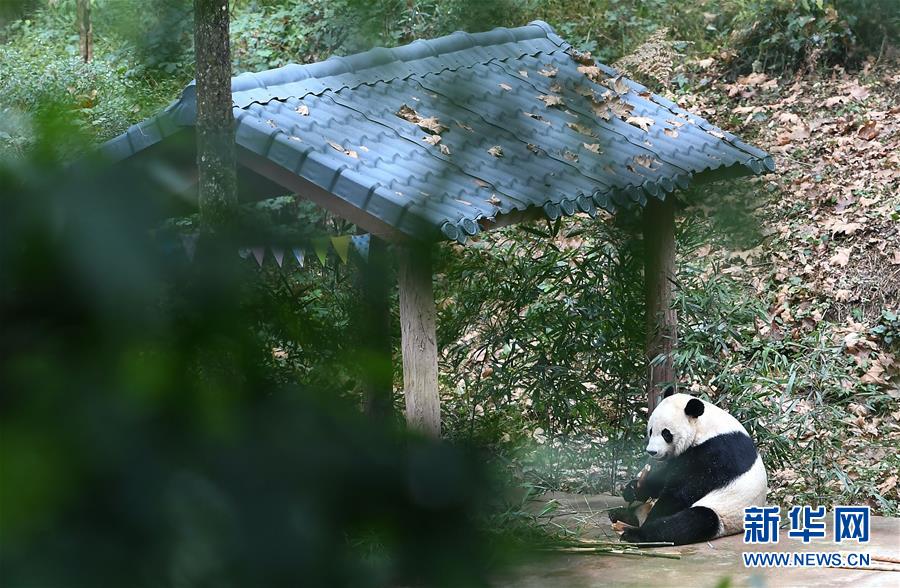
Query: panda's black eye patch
x,y
667,435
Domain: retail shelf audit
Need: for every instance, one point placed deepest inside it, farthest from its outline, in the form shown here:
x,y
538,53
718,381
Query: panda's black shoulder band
x,y
694,408
670,389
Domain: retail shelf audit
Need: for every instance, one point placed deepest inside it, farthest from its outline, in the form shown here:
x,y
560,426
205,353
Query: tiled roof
x,y
522,120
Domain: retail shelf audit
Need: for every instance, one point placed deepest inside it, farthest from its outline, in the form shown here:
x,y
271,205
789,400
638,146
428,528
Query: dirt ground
x,y
702,565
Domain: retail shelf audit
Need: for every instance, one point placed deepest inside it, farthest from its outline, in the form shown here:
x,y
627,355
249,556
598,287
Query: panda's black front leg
x,y
691,525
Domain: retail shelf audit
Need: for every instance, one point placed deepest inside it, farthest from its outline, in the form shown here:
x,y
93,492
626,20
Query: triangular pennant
x,y
320,244
299,255
278,253
189,242
361,243
259,254
341,246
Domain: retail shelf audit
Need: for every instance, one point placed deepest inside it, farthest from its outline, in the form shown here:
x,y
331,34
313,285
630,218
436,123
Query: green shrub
x,y
542,333
785,35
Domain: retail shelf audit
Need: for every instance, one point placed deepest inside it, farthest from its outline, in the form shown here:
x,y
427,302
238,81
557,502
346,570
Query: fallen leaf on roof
x,y
523,73
444,149
715,133
644,161
506,87
551,100
494,200
496,151
620,108
294,138
617,85
593,147
347,152
570,156
602,110
582,57
675,123
642,122
670,133
580,129
430,124
868,131
302,110
534,116
463,125
533,148
591,71
271,123
432,139
549,72
556,87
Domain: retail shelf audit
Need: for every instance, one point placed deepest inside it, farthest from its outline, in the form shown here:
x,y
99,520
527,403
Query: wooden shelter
x,y
448,137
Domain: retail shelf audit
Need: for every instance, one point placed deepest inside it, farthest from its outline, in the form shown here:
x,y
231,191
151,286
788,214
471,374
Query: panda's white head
x,y
681,421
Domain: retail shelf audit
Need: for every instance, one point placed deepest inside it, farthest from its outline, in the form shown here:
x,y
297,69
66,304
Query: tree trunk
x,y
374,320
659,278
419,339
85,30
217,181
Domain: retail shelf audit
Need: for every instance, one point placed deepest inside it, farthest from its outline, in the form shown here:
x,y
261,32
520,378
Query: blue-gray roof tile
x,y
522,125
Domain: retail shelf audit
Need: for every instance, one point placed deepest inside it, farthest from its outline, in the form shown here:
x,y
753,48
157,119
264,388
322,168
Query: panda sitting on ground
x,y
706,472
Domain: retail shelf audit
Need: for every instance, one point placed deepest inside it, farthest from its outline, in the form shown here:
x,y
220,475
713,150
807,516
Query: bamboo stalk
x,y
610,551
867,568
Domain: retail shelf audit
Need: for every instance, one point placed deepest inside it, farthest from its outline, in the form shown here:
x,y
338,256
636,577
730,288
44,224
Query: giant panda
x,y
706,472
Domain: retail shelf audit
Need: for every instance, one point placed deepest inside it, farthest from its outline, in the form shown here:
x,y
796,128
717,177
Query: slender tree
x,y
215,120
85,29
659,278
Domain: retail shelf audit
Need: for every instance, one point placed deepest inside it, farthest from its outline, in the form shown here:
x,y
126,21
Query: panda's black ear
x,y
694,408
668,391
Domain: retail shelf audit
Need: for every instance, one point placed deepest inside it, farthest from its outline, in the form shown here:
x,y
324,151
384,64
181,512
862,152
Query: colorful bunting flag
x,y
320,245
278,253
361,243
259,254
341,246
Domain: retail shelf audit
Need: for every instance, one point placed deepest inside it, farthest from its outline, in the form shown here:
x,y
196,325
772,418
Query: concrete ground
x,y
701,565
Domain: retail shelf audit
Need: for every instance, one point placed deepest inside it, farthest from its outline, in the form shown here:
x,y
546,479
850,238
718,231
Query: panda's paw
x,y
632,535
623,514
629,492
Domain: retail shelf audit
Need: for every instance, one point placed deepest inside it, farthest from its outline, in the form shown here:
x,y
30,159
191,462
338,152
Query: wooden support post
x,y
374,320
418,338
659,278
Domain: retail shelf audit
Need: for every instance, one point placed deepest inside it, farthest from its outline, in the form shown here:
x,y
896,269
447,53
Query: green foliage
x,y
888,329
146,441
784,35
267,35
40,69
610,29
779,35
542,332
